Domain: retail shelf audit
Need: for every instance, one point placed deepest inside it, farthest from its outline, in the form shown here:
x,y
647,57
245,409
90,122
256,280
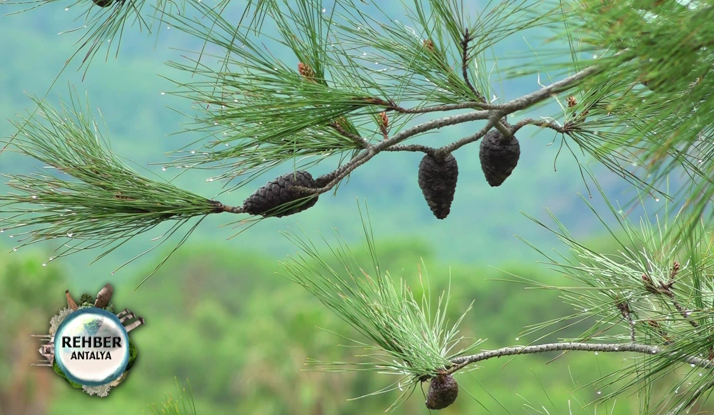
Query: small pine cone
x,y
266,200
103,3
498,158
429,45
443,391
437,180
306,71
385,119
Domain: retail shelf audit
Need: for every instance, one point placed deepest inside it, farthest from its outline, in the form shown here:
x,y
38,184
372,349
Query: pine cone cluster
x,y
437,180
443,391
498,157
267,200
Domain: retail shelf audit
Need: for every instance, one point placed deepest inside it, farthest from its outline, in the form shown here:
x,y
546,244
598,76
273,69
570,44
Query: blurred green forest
x,y
242,333
219,314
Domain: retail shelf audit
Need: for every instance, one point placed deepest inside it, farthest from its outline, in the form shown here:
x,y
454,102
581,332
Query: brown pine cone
x,y
498,157
443,391
267,200
437,180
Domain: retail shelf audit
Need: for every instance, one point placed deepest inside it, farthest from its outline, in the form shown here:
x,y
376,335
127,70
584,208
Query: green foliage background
x,y
218,314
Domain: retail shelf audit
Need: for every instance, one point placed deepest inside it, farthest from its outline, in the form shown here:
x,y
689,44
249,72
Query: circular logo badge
x,y
92,347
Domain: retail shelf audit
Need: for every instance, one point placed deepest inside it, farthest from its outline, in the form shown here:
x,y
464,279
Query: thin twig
x,y
563,129
461,362
535,97
465,65
682,310
439,108
470,139
505,131
417,148
666,289
221,208
626,312
355,138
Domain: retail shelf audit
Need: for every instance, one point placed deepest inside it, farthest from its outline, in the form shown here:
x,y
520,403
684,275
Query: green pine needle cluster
x,y
648,114
85,195
258,111
405,335
103,22
656,289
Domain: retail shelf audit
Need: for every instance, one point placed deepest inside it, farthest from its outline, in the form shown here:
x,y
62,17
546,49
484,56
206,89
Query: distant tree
x,y
635,92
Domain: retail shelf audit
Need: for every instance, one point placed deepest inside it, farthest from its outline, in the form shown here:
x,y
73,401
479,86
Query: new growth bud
x,y
385,119
306,72
384,124
429,45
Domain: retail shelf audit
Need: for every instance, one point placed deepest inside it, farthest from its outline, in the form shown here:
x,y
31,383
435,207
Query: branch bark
x,y
563,129
333,178
461,362
537,96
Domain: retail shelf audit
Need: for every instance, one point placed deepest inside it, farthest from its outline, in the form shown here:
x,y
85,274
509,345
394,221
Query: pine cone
x,y
429,45
103,3
306,71
498,158
443,391
280,191
437,180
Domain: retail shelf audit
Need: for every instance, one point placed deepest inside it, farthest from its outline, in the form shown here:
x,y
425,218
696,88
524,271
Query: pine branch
x,y
277,107
493,115
354,137
406,335
492,121
535,97
94,200
562,129
610,290
266,112
117,205
412,148
461,362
